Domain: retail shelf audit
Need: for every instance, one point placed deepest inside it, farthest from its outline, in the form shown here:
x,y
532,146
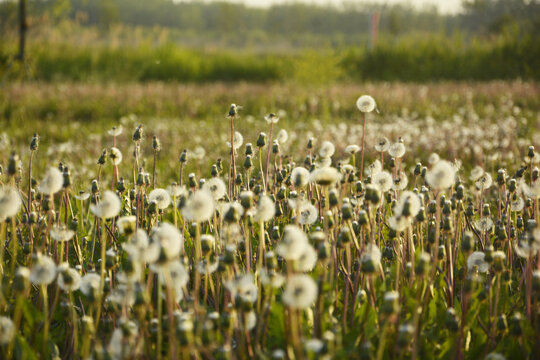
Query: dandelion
x,y
266,209
89,284
115,155
116,130
291,247
383,144
383,181
484,182
397,149
169,238
126,225
476,173
10,203
243,287
108,207
199,207
43,271
441,176
484,224
216,187
176,190
307,260
307,213
69,279
517,204
161,197
7,330
238,140
434,158
300,292
327,149
52,182
366,104
271,278
408,204
300,177
374,168
82,196
325,176
61,233
477,259
282,136
532,192
352,149
271,118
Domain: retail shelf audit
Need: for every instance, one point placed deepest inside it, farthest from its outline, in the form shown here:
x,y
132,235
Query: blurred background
x,y
308,42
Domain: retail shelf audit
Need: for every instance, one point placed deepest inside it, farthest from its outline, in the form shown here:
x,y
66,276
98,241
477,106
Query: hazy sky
x,y
447,6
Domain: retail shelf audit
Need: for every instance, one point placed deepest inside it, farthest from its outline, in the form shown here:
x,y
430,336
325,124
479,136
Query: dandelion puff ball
x,y
10,203
161,197
52,182
300,177
170,239
365,104
108,207
7,330
43,271
199,206
300,292
115,155
266,209
216,187
442,175
477,259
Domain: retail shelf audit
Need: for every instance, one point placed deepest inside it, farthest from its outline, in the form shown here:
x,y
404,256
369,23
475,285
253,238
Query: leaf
x,y
23,350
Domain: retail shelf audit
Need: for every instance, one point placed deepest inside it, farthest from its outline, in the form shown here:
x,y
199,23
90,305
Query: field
x,y
333,230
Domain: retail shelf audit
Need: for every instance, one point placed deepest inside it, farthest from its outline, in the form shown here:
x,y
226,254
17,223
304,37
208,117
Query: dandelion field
x,y
157,221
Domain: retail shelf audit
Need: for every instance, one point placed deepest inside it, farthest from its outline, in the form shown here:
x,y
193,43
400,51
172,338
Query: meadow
x,y
159,220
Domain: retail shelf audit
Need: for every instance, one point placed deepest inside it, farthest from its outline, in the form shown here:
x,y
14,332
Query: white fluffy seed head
x,y
365,104
266,209
300,292
441,176
10,203
52,182
108,207
161,197
199,206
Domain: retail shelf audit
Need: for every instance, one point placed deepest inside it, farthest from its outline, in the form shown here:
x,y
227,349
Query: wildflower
x,y
307,213
43,271
7,330
300,177
271,118
124,343
314,345
177,274
116,130
374,168
366,104
325,176
83,195
169,238
397,149
477,259
126,225
52,182
69,279
238,140
161,197
441,176
484,224
207,266
300,292
307,260
115,155
291,247
434,158
282,136
476,173
271,278
266,209
10,203
243,287
108,207
89,284
352,149
383,144
532,192
484,182
400,182
408,205
216,187
382,180
199,206
61,233
327,149
176,190
371,258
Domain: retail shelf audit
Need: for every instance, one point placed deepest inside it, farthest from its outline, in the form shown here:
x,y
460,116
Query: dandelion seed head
x,y
10,203
43,271
199,207
216,187
108,207
300,292
477,259
441,176
52,182
366,104
115,155
161,197
327,149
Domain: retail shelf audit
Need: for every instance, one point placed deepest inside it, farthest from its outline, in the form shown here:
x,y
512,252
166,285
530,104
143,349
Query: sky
x,y
445,6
